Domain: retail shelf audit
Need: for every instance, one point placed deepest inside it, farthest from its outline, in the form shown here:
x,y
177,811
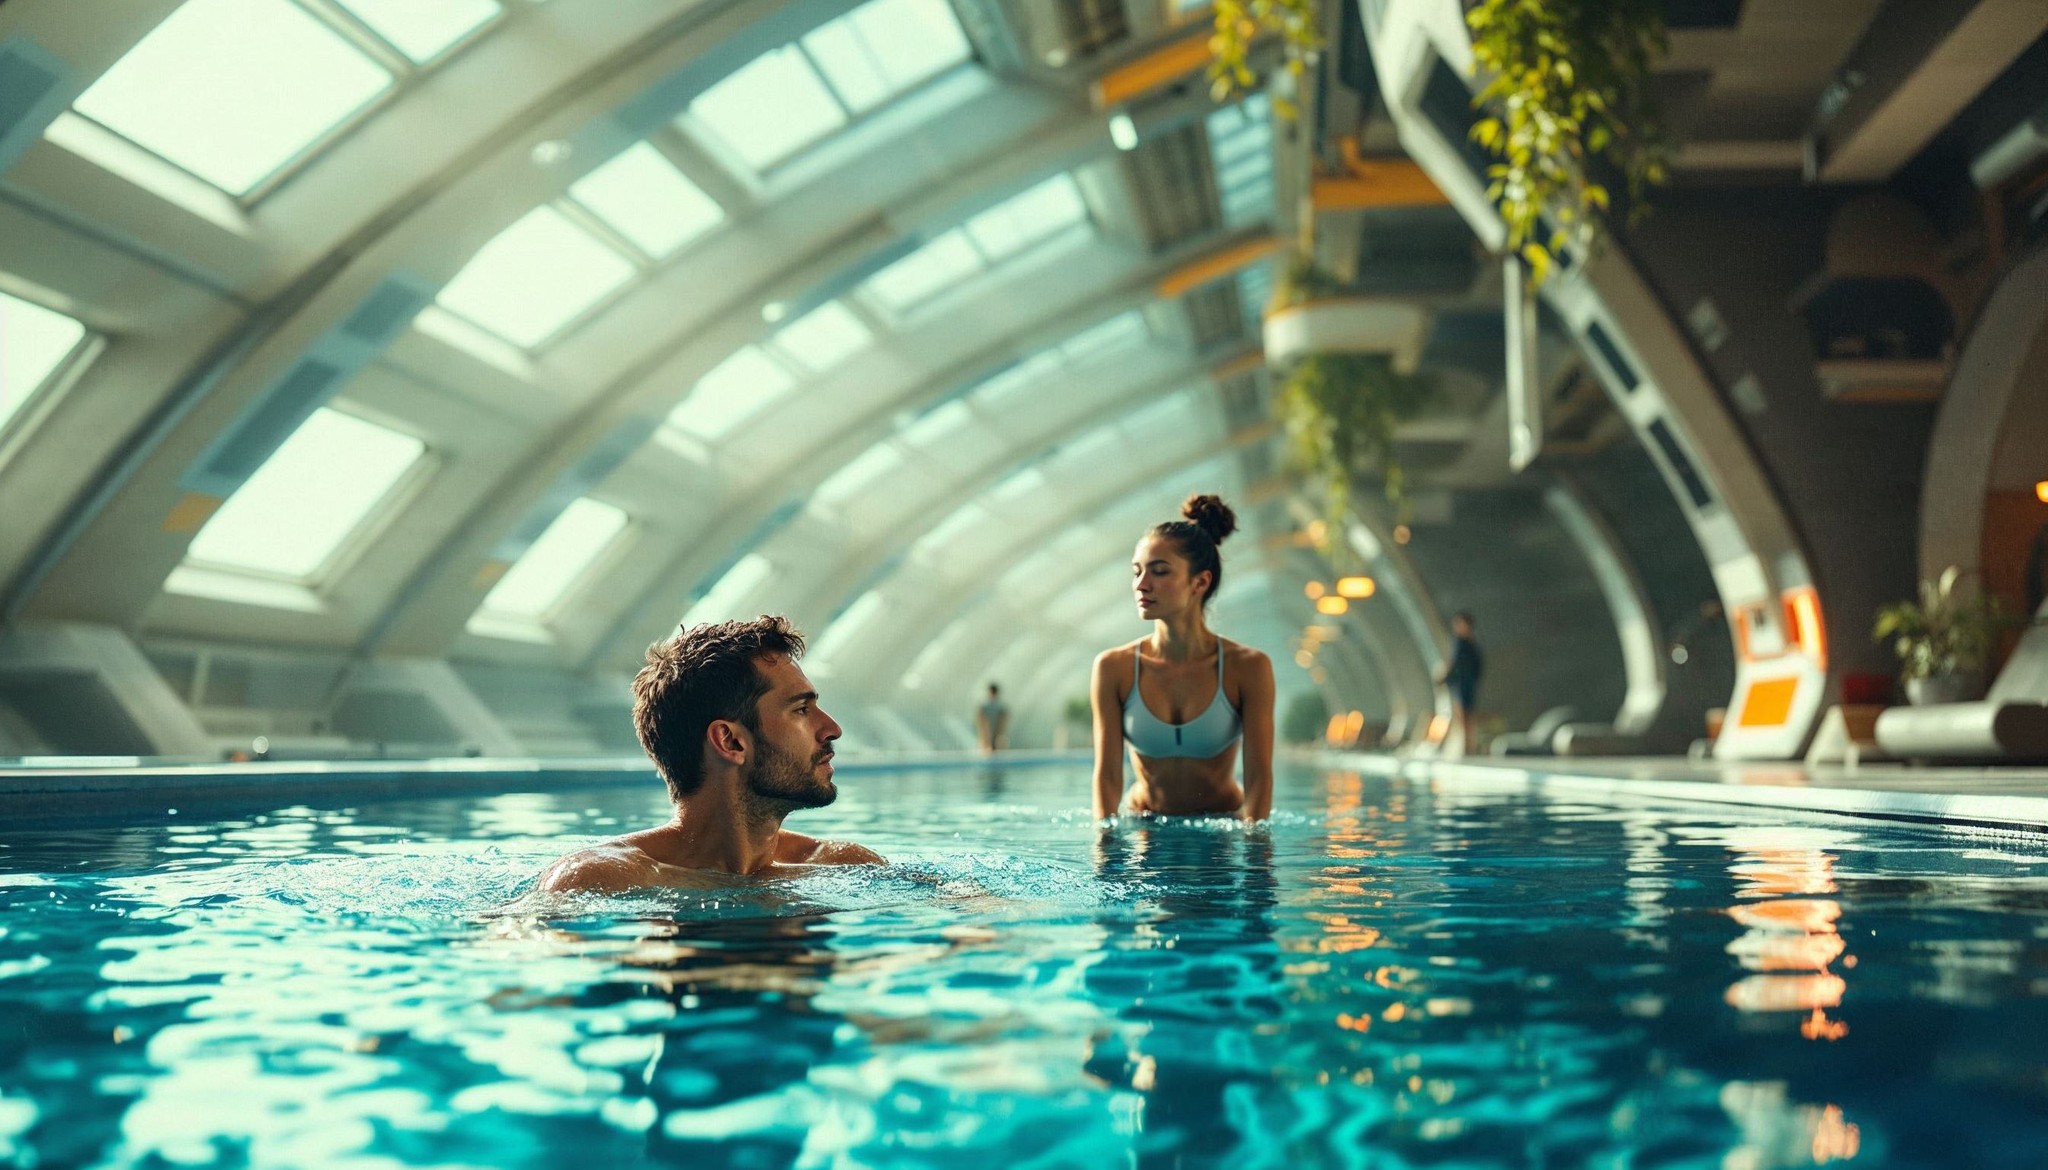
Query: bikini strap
x,y
1219,665
1137,663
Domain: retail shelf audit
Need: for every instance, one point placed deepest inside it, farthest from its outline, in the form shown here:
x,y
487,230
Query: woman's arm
x,y
1257,708
1109,735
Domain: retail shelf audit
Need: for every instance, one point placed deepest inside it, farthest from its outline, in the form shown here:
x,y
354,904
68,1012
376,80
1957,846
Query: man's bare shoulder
x,y
797,849
610,867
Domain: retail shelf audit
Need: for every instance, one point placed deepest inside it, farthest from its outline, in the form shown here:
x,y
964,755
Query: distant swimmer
x,y
735,729
1182,698
992,721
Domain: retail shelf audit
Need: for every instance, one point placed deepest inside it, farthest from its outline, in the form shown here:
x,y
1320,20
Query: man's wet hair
x,y
1465,615
699,676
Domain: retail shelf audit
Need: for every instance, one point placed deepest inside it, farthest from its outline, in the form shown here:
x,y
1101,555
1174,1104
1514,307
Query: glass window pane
x,y
770,108
823,337
422,31
232,90
926,271
733,390
1022,220
535,277
539,579
321,486
34,341
647,200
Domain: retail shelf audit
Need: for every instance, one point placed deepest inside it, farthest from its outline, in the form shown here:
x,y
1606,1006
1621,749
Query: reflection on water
x,y
1388,974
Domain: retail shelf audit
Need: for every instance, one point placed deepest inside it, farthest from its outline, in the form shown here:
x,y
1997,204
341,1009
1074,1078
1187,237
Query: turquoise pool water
x,y
1390,975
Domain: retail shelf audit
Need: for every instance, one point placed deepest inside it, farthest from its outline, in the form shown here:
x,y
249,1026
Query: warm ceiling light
x,y
1304,659
1317,530
1331,605
1122,131
1356,587
1401,534
1314,589
2041,491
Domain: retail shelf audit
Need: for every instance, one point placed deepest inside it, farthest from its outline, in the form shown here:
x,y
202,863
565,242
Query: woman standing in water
x,y
1183,697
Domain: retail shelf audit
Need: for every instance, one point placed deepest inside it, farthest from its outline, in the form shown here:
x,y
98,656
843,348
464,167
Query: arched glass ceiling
x,y
620,235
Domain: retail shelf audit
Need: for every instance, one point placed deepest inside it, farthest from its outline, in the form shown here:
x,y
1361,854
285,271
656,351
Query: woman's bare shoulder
x,y
1239,654
1116,661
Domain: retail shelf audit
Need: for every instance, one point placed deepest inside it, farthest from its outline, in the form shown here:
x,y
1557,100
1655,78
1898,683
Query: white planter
x,y
1347,325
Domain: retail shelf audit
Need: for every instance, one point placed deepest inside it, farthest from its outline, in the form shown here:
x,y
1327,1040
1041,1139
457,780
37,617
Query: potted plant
x,y
1942,640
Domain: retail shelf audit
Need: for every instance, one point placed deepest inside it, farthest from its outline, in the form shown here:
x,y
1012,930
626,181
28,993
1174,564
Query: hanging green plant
x,y
1240,23
1303,280
1566,100
1340,411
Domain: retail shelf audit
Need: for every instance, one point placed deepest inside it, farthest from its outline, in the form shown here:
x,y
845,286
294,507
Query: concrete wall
x,y
1543,623
1849,475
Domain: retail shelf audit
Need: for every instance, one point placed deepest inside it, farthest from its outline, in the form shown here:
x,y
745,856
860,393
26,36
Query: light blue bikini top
x,y
1206,735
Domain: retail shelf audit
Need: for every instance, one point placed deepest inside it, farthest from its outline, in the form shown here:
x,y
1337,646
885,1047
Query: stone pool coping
x,y
2006,799
95,788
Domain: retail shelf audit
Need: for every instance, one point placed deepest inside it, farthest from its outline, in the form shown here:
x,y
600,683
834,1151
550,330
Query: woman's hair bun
x,y
1211,515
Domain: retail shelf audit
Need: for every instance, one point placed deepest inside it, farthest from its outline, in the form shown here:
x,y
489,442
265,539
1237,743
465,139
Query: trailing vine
x,y
1340,411
1567,102
1239,23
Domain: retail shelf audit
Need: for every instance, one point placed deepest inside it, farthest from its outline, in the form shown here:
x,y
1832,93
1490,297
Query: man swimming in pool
x,y
735,729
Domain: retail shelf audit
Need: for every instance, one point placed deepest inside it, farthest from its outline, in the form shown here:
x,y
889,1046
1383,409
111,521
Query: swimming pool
x,y
1391,974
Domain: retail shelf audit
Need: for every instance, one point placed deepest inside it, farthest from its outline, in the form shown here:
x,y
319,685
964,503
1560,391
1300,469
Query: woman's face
x,y
1160,580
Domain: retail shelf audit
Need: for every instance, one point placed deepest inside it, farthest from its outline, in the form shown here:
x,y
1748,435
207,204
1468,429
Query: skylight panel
x,y
886,48
938,422
731,392
535,277
1022,220
232,90
856,617
34,341
823,337
1125,328
1017,378
644,198
308,498
423,31
860,474
770,108
553,564
927,271
1243,172
722,601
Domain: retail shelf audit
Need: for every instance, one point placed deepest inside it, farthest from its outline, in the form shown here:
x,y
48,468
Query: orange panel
x,y
1802,617
1198,272
1769,703
1151,71
1377,183
191,513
